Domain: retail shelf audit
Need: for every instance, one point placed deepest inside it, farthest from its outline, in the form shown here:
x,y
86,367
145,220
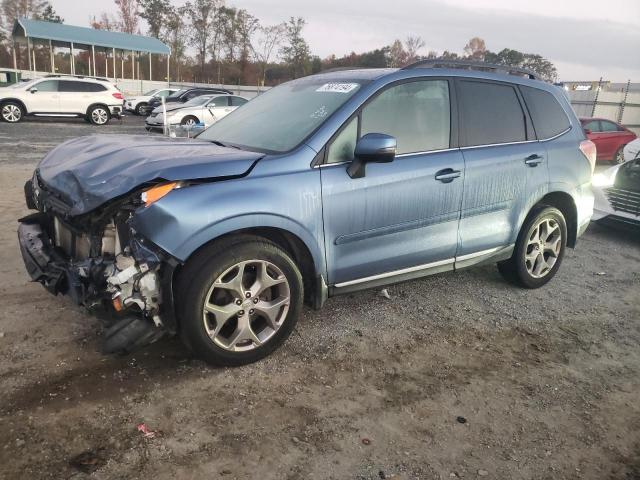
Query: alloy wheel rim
x,y
99,116
543,248
11,113
246,305
619,157
190,122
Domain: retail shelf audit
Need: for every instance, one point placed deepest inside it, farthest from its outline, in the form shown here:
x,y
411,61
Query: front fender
x,y
188,218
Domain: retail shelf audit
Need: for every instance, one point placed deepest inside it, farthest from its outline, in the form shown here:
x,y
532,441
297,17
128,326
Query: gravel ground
x,y
454,376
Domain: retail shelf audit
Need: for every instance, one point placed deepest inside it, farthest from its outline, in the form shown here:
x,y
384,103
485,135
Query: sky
x,y
585,39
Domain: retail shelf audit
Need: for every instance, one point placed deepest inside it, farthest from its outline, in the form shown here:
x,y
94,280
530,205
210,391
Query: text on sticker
x,y
338,87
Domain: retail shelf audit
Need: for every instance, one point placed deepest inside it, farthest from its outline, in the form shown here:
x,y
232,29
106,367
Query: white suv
x,y
139,104
61,96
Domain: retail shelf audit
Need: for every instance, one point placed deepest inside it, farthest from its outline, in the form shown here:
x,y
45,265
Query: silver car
x,y
205,109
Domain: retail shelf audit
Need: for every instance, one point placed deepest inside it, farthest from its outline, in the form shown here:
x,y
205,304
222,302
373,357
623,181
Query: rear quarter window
x,y
547,115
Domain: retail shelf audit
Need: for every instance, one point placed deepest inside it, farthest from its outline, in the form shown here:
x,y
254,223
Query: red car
x,y
609,137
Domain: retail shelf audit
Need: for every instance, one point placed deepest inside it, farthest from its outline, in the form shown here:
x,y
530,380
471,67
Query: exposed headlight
x,y
606,178
155,193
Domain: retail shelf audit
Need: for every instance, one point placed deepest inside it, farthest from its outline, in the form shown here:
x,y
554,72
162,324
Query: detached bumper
x,y
42,262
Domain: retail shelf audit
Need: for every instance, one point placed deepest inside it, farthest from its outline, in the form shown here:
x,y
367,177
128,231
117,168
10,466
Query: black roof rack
x,y
467,65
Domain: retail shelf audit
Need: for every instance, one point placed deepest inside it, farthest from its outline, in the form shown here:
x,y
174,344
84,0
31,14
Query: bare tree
x,y
128,13
397,54
105,22
11,10
267,41
155,12
296,51
412,45
203,16
475,49
174,32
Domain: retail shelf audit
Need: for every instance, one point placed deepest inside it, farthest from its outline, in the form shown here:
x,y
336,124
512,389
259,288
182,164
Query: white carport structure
x,y
111,45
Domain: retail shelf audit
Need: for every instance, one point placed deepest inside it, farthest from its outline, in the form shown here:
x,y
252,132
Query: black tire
x,y
141,108
11,112
515,269
198,276
99,115
187,119
618,157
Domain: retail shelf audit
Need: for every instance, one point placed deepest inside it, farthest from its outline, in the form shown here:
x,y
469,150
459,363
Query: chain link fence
x,y
619,102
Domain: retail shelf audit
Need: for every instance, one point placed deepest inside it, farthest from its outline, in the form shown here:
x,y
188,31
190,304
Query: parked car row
x,y
610,138
95,99
205,109
140,104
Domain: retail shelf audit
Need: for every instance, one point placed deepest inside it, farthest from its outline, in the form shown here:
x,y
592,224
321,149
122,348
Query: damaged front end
x,y
100,262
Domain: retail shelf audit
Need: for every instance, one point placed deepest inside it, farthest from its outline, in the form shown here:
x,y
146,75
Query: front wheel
x,y
141,108
238,300
99,115
11,112
539,249
189,121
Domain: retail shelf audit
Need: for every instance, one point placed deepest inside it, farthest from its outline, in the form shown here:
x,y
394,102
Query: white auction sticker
x,y
338,87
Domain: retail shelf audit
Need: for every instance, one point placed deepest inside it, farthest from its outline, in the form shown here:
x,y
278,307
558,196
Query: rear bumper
x,y
116,110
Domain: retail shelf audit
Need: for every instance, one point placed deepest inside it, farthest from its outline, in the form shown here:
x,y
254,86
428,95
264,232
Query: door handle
x,y
533,160
447,175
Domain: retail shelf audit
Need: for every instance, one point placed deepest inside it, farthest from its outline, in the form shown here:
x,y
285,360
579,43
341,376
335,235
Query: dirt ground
x,y
455,376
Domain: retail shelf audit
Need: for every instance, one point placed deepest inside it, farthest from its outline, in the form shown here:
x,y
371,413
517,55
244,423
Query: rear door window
x,y
546,113
606,126
491,114
593,125
71,86
237,101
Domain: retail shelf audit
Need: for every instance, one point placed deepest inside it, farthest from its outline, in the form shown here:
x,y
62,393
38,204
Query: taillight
x,y
118,95
588,149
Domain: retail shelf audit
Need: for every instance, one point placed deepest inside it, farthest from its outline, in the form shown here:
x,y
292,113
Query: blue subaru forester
x,y
328,184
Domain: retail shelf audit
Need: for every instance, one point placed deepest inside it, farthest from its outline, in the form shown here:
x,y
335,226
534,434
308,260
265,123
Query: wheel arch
x,y
15,100
566,204
190,115
97,104
298,245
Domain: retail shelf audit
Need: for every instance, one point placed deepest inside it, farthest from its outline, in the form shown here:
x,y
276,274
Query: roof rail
x,y
467,65
66,75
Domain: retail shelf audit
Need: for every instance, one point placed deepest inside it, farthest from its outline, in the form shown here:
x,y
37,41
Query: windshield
x,y
178,93
284,116
150,92
24,84
194,102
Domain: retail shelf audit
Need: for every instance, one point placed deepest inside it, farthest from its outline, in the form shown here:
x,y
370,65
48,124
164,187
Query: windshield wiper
x,y
227,145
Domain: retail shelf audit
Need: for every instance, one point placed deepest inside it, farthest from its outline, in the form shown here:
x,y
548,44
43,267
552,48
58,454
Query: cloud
x,y
580,45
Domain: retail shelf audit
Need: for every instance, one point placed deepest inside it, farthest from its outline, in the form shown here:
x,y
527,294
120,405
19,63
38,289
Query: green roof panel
x,y
89,36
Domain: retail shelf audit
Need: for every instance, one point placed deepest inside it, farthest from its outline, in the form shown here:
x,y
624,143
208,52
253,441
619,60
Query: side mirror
x,y
587,131
372,147
33,89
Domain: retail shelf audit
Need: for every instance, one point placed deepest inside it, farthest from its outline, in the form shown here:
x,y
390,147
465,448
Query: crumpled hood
x,y
89,171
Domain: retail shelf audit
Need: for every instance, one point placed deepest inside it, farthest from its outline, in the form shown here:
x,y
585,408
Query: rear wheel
x,y
539,249
239,300
11,112
99,115
618,157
